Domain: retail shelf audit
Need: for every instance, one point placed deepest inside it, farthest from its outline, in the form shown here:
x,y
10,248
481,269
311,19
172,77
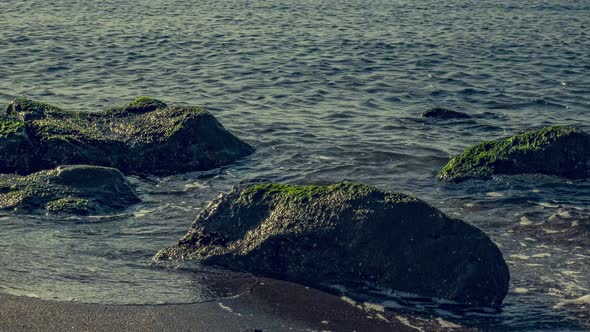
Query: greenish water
x,y
326,91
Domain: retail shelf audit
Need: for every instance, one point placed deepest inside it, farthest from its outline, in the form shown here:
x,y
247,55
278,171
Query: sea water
x,y
326,91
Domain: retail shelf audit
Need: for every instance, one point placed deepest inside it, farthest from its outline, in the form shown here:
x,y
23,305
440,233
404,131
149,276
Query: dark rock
x,y
146,136
79,189
346,233
562,151
15,146
443,113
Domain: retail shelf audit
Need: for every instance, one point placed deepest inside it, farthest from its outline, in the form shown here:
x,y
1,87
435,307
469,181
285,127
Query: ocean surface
x,y
326,91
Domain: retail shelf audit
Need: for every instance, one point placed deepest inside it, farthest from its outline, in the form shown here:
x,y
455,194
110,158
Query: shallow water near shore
x,y
326,91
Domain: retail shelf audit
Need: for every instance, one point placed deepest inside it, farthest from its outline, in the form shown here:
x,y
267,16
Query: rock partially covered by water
x,y
78,189
346,233
562,151
146,136
444,113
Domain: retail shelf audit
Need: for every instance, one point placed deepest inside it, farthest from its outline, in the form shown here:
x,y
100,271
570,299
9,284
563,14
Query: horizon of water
x,y
326,91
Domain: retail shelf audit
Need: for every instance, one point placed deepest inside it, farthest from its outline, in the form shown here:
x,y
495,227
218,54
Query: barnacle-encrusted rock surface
x,y
78,189
147,136
562,151
346,233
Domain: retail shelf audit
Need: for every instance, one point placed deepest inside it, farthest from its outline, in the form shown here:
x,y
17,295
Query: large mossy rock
x,y
346,233
562,151
144,137
78,189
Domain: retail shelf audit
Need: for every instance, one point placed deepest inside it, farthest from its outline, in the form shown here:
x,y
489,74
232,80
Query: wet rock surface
x,y
145,137
561,151
79,189
346,233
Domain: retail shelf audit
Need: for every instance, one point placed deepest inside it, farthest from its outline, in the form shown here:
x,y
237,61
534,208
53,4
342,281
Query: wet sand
x,y
265,305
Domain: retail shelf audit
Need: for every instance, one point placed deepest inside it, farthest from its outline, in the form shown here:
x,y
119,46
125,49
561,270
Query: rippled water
x,y
326,91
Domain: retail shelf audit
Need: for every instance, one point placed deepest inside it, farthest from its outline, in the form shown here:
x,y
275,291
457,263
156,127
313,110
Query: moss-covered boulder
x,y
15,146
562,151
445,113
147,136
78,189
346,233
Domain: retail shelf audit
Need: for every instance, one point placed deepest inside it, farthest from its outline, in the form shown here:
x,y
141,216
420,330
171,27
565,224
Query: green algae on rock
x,y
557,150
15,146
145,137
346,233
144,104
79,189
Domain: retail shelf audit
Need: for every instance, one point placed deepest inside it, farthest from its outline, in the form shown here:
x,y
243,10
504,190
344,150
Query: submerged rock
x,y
79,189
443,113
562,151
346,233
146,136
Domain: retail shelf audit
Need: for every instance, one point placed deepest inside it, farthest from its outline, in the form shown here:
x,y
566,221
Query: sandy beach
x,y
267,305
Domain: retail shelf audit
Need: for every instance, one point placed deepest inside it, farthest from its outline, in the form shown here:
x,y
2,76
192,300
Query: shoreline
x,y
268,305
